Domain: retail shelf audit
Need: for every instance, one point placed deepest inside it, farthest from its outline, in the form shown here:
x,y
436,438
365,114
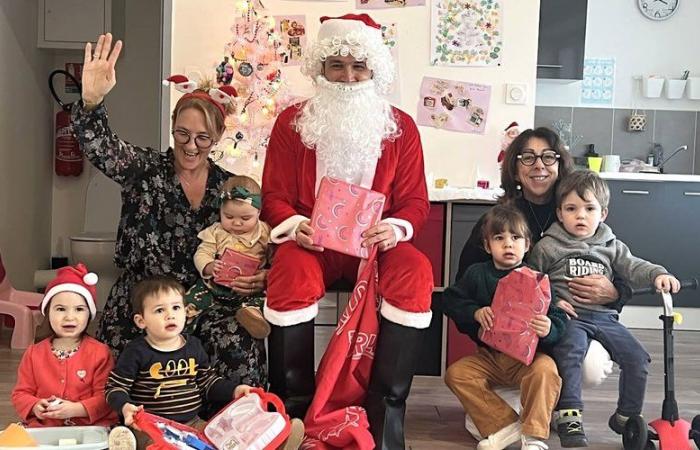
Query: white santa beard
x,y
346,123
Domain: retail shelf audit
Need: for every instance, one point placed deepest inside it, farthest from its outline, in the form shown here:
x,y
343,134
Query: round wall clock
x,y
658,9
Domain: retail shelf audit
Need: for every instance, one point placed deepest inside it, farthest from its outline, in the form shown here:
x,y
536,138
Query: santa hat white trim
x,y
289,318
70,287
411,319
343,37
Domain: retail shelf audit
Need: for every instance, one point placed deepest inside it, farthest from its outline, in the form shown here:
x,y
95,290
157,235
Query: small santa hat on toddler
x,y
73,279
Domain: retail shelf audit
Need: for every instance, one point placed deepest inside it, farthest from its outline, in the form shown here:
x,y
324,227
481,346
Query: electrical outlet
x,y
516,93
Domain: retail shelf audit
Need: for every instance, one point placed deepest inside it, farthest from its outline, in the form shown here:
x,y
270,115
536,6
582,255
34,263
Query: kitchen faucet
x,y
663,161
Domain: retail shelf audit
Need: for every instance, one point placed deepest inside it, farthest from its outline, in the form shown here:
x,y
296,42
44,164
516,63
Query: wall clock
x,y
658,9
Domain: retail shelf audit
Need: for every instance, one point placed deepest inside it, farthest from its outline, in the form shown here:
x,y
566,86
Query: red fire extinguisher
x,y
69,158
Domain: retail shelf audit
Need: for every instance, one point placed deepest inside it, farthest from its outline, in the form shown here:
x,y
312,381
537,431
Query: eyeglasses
x,y
202,141
549,158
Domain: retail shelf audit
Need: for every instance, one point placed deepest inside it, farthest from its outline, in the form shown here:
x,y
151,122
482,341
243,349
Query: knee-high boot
x,y
291,362
395,363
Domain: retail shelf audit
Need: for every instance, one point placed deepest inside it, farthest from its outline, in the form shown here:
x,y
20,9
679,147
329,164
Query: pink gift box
x,y
342,212
520,296
235,264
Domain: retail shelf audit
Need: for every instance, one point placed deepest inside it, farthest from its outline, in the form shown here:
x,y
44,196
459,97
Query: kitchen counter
x,y
648,176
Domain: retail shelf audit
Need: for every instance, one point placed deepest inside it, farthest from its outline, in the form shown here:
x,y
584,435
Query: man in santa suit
x,y
350,132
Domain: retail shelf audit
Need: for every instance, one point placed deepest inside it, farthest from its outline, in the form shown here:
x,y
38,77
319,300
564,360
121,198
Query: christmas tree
x,y
252,66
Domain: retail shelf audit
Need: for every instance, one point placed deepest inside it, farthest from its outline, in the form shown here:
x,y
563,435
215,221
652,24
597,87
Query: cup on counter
x,y
611,163
594,163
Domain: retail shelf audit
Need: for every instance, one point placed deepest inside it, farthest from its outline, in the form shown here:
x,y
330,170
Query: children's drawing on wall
x,y
465,33
391,39
598,81
379,4
453,105
292,31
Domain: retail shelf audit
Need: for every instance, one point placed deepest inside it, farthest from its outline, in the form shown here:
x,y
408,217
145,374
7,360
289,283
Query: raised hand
x,y
98,69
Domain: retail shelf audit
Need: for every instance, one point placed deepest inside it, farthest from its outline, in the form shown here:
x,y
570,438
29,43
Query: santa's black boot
x,y
394,364
291,362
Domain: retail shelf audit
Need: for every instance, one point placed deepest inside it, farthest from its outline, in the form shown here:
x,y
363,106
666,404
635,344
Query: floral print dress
x,y
157,235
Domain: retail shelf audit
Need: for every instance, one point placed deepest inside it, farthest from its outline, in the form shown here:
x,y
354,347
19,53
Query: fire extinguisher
x,y
69,158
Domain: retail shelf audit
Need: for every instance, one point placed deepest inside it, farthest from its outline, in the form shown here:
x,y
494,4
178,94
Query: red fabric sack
x,y
520,296
235,264
342,212
335,419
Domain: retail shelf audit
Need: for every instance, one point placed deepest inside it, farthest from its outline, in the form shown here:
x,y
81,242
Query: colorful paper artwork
x,y
465,33
380,4
453,105
391,39
598,83
292,31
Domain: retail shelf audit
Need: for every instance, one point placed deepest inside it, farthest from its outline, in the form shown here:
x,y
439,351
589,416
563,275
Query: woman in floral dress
x,y
167,198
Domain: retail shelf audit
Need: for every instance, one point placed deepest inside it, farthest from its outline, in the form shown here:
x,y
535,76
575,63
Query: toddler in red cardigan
x,y
61,379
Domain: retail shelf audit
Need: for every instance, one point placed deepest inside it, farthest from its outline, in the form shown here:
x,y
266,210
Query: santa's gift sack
x,y
235,264
336,419
247,423
170,435
520,296
342,212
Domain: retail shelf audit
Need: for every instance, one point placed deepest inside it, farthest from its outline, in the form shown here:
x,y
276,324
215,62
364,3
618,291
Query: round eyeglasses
x,y
202,141
549,158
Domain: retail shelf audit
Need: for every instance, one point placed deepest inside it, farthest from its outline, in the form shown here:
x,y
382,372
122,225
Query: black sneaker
x,y
570,430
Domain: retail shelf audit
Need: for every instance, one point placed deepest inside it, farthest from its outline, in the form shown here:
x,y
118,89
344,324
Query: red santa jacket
x,y
289,177
80,378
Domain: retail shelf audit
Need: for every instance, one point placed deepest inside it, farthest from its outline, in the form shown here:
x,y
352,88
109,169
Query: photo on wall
x,y
465,33
292,31
453,105
391,39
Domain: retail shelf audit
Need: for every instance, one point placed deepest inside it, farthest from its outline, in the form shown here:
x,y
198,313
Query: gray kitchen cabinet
x,y
464,217
71,23
562,39
658,222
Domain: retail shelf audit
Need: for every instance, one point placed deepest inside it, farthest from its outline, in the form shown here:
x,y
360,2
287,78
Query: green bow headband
x,y
243,194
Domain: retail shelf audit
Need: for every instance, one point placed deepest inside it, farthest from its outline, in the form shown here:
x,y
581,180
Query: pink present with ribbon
x,y
235,264
342,212
520,296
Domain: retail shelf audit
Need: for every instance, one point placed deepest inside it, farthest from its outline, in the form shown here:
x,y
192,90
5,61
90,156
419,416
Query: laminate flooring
x,y
434,417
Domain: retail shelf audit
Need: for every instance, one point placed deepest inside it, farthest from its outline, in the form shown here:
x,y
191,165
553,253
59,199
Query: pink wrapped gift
x,y
520,296
342,212
235,264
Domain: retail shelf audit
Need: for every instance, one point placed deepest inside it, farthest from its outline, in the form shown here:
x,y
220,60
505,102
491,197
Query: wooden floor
x,y
435,419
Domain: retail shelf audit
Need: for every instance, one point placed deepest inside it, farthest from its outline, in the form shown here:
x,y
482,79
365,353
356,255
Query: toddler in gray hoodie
x,y
580,244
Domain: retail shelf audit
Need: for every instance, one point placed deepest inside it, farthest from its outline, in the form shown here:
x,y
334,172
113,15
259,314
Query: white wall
x,y
134,112
200,30
640,46
25,152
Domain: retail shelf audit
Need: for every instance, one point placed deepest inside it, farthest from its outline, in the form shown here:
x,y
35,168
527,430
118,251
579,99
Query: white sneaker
x,y
121,438
531,443
501,438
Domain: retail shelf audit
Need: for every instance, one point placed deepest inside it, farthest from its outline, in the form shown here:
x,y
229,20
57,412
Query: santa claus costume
x,y
347,131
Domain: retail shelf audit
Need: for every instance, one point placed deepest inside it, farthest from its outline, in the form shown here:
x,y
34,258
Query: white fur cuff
x,y
286,230
418,320
289,318
405,229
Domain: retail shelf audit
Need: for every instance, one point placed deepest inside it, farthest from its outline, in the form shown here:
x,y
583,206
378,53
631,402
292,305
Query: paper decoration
x,y
453,105
380,4
390,33
292,31
465,33
598,84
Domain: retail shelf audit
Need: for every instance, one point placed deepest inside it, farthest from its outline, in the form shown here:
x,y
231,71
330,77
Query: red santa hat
x,y
73,279
356,35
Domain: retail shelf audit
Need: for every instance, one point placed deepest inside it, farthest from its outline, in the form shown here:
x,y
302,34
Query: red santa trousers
x,y
298,279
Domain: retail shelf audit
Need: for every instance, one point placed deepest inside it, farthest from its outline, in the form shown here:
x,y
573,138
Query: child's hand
x,y
241,390
667,282
485,317
40,408
568,308
541,325
213,268
65,410
128,411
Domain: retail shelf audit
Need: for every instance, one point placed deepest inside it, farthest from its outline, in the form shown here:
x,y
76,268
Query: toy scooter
x,y
671,432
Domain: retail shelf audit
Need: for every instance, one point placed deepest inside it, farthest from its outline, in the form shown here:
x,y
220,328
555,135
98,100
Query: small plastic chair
x,y
18,305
